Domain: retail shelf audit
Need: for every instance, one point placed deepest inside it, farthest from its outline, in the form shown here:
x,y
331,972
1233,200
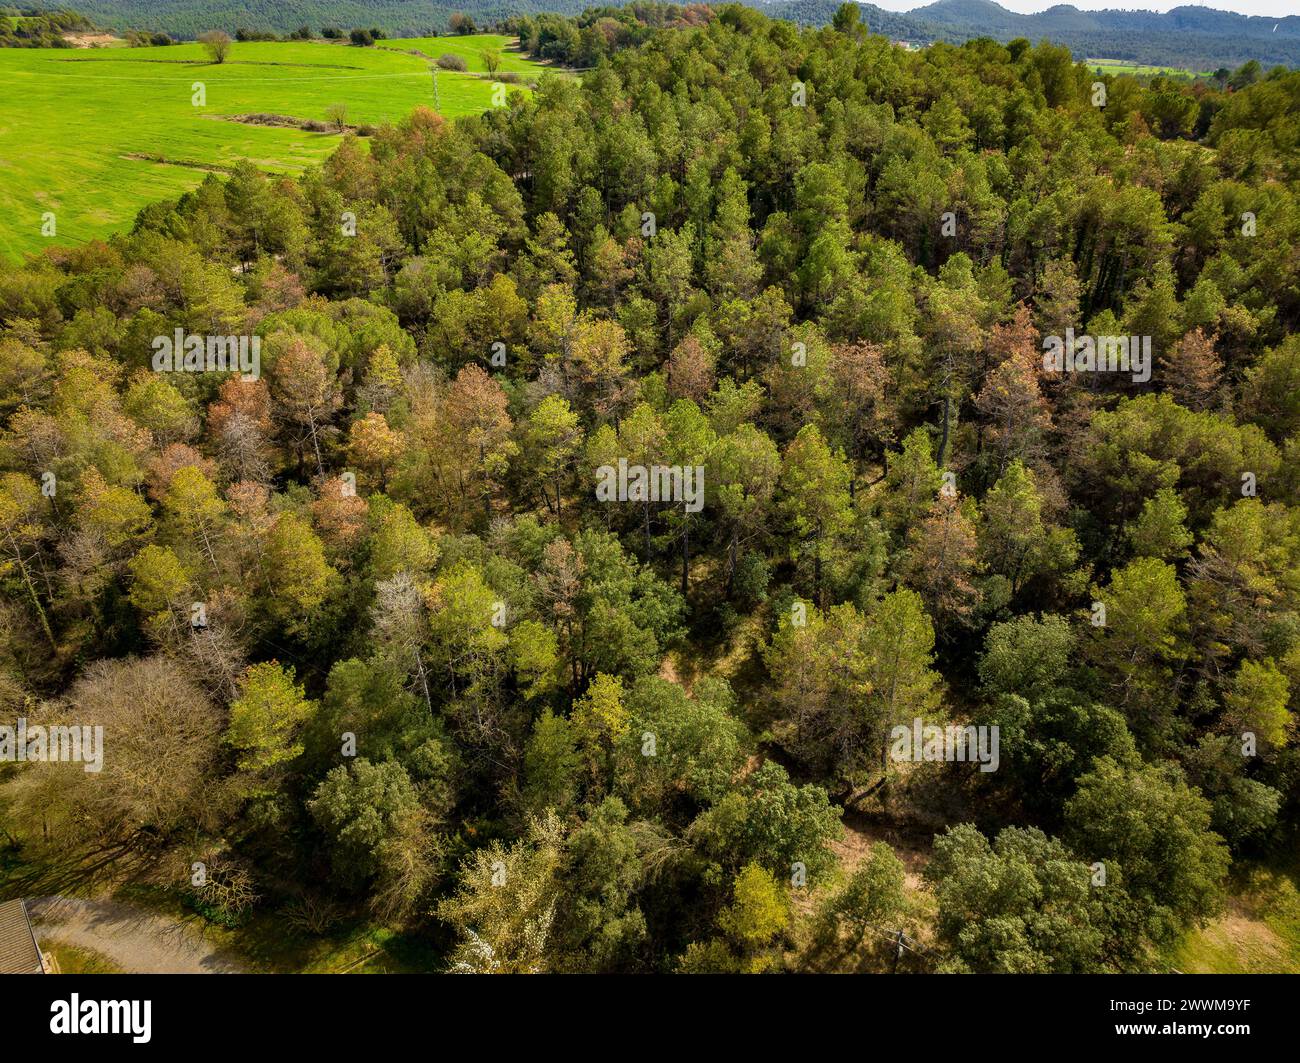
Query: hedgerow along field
x,y
94,135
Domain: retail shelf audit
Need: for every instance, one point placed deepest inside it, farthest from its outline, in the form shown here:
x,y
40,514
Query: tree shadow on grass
x,y
77,873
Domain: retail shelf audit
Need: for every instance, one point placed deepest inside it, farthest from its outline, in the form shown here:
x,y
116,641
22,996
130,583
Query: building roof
x,y
18,951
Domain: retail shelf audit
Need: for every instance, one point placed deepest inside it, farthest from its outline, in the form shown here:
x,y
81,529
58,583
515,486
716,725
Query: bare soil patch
x,y
90,40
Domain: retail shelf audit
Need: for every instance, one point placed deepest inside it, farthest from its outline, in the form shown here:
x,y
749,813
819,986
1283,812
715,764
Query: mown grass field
x,y
1118,66
468,48
82,130
1259,933
73,959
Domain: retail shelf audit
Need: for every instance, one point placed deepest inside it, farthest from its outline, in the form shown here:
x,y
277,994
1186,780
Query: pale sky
x,y
1272,8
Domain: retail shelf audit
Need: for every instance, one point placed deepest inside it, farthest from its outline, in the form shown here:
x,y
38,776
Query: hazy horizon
x,y
1270,8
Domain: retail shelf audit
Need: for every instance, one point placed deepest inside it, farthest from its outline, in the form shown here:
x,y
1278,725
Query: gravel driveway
x,y
137,941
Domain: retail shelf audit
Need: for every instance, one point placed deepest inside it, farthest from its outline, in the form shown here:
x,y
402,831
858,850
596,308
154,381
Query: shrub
x,y
217,44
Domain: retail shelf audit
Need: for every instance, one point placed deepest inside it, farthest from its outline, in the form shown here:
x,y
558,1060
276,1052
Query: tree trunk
x,y
31,590
686,555
731,562
943,440
315,445
817,573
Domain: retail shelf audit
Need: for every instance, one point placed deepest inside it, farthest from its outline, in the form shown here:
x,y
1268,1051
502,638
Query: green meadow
x,y
92,135
1257,933
468,48
1118,66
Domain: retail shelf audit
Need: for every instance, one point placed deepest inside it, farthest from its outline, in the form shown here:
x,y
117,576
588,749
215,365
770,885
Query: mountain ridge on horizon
x,y
1197,14
1195,36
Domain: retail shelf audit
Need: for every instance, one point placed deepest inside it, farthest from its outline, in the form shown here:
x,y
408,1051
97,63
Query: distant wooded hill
x,y
410,18
24,28
1193,37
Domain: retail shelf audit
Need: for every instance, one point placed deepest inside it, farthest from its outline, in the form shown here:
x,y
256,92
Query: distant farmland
x,y
1120,66
93,135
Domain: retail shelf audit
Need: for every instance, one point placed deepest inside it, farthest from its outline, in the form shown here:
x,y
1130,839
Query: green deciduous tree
x,y
267,717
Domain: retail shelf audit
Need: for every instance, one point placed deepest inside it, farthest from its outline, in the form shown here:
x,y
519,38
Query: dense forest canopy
x,y
369,638
25,28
